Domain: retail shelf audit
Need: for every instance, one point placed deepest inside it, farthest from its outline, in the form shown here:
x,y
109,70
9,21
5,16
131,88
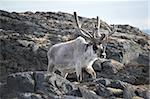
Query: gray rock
x,y
128,92
48,86
97,66
103,91
116,92
29,96
117,84
38,85
108,67
142,93
22,82
123,50
88,94
74,93
25,43
147,94
70,97
143,58
103,81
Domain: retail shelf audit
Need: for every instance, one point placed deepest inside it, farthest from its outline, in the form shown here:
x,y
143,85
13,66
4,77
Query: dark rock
x,y
87,94
61,84
128,92
15,84
40,84
97,66
136,74
108,68
143,58
128,29
103,81
70,97
75,93
3,89
20,56
117,84
103,91
142,42
147,94
35,85
142,93
123,50
47,86
30,96
22,82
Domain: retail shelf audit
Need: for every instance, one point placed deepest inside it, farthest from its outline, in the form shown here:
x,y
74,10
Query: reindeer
x,y
72,56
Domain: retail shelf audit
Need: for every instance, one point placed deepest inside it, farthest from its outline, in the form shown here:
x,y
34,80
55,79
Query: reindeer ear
x,y
102,36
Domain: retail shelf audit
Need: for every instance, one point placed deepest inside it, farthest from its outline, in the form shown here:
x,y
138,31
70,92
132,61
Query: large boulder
x,y
39,85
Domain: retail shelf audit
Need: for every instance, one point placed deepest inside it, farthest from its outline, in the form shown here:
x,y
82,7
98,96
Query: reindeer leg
x,y
91,71
50,67
79,73
64,74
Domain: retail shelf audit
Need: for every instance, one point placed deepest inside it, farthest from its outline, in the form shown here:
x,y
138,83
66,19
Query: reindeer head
x,y
97,39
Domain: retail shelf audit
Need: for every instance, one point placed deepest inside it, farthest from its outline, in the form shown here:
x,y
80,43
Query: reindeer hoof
x,y
94,75
79,78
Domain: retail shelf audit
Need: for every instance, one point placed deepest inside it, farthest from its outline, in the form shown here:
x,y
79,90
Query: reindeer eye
x,y
95,47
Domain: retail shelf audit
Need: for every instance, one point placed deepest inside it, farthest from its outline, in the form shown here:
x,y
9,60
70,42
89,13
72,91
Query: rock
x,y
103,91
117,84
15,84
89,94
128,92
108,68
49,86
128,29
123,50
17,57
103,81
75,93
30,96
61,84
116,92
22,82
142,93
38,84
136,97
147,94
142,42
119,66
97,66
143,59
70,97
135,74
25,43
39,77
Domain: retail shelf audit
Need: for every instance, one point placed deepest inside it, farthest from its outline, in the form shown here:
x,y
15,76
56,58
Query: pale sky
x,y
133,12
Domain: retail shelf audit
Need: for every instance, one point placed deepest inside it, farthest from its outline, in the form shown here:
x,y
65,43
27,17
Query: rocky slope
x,y
26,37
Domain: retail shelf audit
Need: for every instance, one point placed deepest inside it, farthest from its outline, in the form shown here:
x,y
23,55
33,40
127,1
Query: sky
x,y
133,12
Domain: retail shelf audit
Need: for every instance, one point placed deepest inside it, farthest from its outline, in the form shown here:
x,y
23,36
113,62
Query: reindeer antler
x,y
84,32
96,36
109,30
98,25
